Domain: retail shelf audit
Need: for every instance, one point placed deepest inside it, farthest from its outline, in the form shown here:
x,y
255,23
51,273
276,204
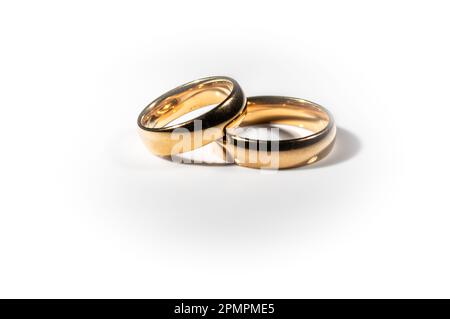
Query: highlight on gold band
x,y
163,138
284,153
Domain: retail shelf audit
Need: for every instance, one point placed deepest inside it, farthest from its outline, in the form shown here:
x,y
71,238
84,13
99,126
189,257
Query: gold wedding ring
x,y
288,153
165,139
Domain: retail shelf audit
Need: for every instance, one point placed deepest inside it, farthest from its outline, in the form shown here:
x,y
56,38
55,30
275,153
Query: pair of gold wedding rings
x,y
234,110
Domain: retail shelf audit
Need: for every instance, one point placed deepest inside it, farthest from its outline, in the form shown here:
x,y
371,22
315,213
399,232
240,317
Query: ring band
x,y
282,153
164,139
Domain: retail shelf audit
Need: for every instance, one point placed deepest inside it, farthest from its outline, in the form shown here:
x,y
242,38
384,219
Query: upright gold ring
x,y
164,139
282,153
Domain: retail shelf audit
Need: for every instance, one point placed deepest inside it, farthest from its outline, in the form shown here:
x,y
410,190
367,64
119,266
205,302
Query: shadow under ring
x,y
164,139
288,153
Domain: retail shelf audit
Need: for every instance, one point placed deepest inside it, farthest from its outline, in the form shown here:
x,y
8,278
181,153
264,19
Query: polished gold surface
x,y
282,153
164,139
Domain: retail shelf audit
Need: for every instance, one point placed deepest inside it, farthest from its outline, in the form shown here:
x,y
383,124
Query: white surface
x,y
86,211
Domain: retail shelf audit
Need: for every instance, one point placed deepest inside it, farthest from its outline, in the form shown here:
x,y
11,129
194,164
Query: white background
x,y
87,211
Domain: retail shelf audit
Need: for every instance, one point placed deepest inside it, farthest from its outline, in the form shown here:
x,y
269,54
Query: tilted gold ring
x,y
165,139
288,153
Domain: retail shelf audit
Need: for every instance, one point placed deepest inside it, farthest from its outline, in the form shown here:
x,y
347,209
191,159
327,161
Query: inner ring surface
x,y
183,100
287,111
